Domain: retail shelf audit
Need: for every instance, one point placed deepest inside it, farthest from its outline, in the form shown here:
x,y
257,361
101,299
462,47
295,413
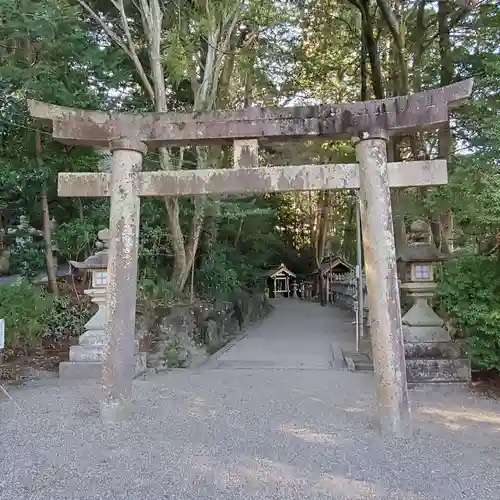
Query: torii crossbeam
x,y
255,180
396,115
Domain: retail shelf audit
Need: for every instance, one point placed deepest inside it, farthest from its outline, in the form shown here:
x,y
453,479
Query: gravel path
x,y
243,433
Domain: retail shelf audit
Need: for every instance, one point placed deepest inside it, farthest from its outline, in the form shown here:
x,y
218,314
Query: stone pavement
x,y
234,432
297,335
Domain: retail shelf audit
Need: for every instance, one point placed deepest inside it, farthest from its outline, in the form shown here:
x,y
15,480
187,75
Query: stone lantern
x,y
431,355
421,322
85,359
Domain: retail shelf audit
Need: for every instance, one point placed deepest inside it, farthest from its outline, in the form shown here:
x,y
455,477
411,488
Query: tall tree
x,y
186,41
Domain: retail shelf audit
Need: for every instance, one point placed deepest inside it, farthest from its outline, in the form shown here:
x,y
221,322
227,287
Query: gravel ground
x,y
246,434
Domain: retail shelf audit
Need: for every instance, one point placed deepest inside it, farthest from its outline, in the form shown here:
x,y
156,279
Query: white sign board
x,y
2,334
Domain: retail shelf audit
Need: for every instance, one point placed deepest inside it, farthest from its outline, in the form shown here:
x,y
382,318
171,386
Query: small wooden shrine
x,y
279,281
331,265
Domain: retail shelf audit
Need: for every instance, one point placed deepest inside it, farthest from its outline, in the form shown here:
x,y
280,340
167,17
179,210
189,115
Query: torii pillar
x,y
124,219
380,263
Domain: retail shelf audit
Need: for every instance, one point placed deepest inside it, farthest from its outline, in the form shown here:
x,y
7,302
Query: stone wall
x,y
185,335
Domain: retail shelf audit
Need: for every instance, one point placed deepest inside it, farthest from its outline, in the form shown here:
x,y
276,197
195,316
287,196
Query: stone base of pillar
x,y
92,370
439,369
432,357
85,359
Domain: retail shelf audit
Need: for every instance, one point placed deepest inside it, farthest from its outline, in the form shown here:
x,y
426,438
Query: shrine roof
x,y
281,269
333,261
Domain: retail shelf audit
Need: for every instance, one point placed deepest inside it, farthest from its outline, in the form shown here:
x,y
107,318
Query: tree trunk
x,y
205,79
47,229
47,236
369,44
400,86
443,222
371,47
417,145
364,68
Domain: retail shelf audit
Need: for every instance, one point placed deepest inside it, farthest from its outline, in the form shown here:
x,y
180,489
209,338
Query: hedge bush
x,y
31,315
23,306
469,290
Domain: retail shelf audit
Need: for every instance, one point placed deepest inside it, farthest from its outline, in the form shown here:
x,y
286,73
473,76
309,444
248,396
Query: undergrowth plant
x,y
66,317
23,306
31,315
469,290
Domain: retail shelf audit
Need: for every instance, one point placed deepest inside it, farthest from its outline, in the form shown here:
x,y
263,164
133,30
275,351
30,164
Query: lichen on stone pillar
x,y
382,284
118,357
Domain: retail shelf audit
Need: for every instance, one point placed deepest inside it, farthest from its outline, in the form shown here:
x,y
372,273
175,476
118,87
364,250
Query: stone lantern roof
x,y
421,249
98,260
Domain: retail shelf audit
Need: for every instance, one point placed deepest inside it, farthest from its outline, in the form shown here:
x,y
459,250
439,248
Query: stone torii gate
x,y
368,124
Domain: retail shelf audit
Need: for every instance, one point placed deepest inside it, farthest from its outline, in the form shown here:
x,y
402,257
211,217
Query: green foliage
x,y
76,238
24,308
27,256
31,315
159,292
27,261
172,353
218,276
470,292
153,241
66,317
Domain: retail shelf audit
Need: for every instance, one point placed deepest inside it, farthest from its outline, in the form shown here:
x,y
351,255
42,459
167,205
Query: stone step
x,y
92,339
364,367
450,364
425,333
85,353
358,361
76,370
426,350
436,370
87,370
338,361
421,370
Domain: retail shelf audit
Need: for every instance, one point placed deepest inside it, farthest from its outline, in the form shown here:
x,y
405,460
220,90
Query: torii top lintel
x,y
396,115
